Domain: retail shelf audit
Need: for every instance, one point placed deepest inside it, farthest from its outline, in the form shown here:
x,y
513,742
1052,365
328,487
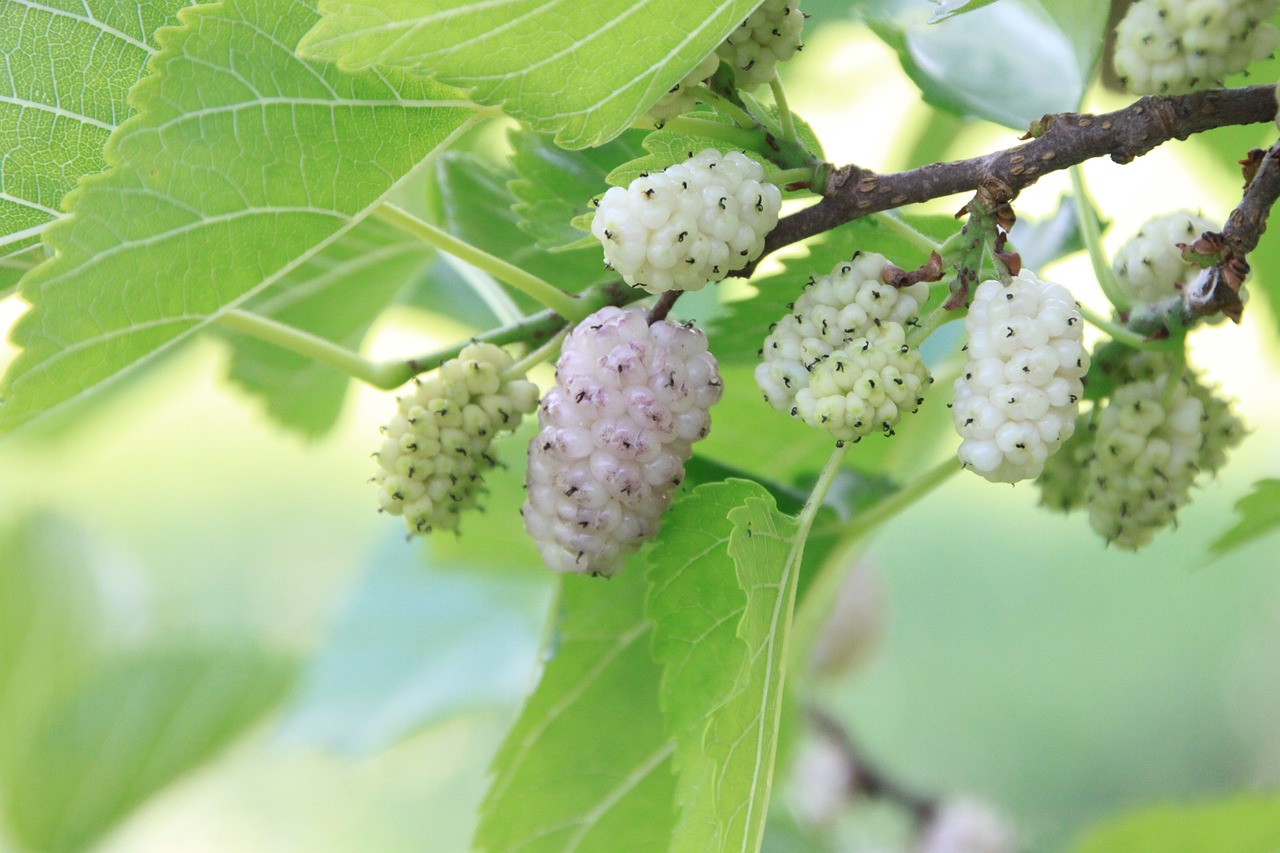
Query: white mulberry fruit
x,y
1149,267
630,399
435,450
1017,400
1166,47
680,98
769,35
839,360
691,223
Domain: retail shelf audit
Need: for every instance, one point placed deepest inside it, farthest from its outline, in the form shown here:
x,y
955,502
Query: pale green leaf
x,y
977,64
50,624
1259,514
587,767
68,69
722,589
944,9
242,163
335,294
1246,824
555,186
414,647
134,728
672,145
583,71
15,262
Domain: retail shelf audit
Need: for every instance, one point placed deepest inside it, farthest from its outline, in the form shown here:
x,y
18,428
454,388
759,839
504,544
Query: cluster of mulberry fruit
x,y
1017,399
435,450
1141,451
769,35
694,222
839,360
1167,47
615,431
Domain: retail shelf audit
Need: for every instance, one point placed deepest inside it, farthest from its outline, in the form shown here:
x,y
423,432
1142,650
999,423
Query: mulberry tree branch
x,y
1060,141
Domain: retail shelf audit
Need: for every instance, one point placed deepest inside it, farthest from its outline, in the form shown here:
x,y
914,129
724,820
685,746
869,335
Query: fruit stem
x,y
784,111
1128,337
725,106
739,137
310,346
1087,221
547,294
533,359
537,329
901,229
928,324
821,594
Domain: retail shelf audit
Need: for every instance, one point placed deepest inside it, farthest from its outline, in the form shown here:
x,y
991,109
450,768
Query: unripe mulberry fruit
x,y
691,223
769,35
629,401
1017,400
680,98
1145,459
1149,267
1065,478
435,450
839,360
1166,47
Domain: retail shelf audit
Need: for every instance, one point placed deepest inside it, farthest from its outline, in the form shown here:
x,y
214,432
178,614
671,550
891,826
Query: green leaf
x,y
722,589
68,70
672,144
15,263
587,766
50,624
736,337
413,647
335,294
135,728
242,163
1247,824
555,186
977,64
1259,514
583,71
478,206
944,9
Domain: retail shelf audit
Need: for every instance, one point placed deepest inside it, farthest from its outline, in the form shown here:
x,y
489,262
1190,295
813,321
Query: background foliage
x,y
209,640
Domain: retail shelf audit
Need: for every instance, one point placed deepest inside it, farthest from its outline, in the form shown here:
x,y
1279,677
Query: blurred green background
x,y
1022,661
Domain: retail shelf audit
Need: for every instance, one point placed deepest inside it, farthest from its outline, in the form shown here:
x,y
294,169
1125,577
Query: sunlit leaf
x,y
588,765
68,70
242,163
722,585
415,646
1247,824
1259,514
134,728
583,71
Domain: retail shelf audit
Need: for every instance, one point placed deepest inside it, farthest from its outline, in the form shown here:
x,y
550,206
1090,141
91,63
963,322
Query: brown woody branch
x,y
1061,140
